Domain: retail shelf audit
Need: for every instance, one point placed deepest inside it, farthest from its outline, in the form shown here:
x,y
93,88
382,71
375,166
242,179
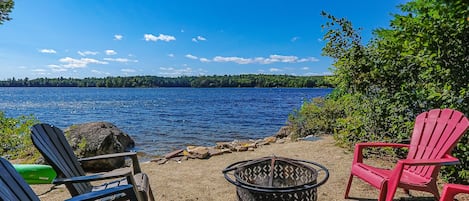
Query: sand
x,y
202,180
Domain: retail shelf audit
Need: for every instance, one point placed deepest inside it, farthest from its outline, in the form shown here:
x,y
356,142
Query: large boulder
x,y
98,138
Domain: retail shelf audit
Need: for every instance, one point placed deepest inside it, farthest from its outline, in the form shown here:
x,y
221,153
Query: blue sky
x,y
100,38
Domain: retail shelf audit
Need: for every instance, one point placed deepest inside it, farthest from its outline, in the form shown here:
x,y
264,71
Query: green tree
x,y
5,9
421,62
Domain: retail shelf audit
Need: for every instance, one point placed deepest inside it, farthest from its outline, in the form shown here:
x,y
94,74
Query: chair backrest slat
x,y
54,147
12,185
435,134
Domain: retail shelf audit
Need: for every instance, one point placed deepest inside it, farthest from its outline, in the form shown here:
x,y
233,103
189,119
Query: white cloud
x,y
170,55
278,58
100,72
121,60
323,74
110,52
166,68
87,53
275,70
118,37
48,51
237,60
305,68
39,70
205,60
79,63
309,59
295,39
151,37
128,70
56,68
191,56
262,60
174,72
199,38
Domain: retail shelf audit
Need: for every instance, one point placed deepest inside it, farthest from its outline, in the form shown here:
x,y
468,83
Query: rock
x,y
216,152
241,148
224,145
283,132
248,144
198,152
270,139
97,138
261,143
281,141
177,158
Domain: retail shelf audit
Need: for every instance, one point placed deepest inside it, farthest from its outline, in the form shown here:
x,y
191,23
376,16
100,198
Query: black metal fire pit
x,y
276,179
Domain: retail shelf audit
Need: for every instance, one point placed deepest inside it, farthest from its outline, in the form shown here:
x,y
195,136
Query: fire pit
x,y
276,179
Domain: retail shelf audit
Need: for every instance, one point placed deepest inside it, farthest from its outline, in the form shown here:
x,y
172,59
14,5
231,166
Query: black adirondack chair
x,y
56,150
14,188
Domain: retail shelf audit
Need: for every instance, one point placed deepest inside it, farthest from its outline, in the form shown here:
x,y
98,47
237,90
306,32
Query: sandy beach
x,y
202,180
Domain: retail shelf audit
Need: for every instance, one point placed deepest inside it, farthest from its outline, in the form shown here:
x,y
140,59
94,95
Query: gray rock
x,y
283,132
98,138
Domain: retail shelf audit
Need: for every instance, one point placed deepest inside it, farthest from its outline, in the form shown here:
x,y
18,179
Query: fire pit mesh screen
x,y
276,178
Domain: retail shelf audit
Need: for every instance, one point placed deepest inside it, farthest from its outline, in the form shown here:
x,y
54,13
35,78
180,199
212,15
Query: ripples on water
x,y
162,119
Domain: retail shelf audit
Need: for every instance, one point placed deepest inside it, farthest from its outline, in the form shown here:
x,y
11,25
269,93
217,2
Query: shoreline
x,y
197,180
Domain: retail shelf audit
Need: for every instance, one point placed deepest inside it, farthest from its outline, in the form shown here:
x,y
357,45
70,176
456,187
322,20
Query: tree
x,y
5,9
420,63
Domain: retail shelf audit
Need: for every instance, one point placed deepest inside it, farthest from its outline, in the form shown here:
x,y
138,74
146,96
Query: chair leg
x,y
150,196
391,191
383,191
451,190
348,186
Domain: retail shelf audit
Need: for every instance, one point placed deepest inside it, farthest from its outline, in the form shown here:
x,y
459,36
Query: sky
x,y
171,38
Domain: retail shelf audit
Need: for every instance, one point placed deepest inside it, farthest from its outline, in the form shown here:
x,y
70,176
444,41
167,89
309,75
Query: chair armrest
x,y
132,155
358,152
447,160
127,189
363,145
95,177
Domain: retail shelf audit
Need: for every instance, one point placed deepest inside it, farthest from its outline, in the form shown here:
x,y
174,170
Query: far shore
x,y
202,180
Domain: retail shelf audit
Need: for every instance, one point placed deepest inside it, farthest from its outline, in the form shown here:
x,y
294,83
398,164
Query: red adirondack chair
x,y
434,136
451,190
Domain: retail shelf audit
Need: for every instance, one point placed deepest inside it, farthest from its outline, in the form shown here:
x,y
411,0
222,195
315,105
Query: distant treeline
x,y
249,80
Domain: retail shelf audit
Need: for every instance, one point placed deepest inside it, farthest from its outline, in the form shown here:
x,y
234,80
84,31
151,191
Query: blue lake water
x,y
163,119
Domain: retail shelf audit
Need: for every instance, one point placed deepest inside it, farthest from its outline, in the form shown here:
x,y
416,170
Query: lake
x,y
163,119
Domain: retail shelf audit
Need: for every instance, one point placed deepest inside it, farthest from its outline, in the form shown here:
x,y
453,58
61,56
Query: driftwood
x,y
201,152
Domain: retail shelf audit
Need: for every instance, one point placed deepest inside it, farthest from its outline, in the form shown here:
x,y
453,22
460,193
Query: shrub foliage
x,y
15,140
421,62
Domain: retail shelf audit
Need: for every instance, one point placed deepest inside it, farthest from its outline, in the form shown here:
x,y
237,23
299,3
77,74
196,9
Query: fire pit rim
x,y
248,186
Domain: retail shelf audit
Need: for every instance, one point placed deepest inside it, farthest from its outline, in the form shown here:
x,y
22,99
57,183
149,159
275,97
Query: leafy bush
x,y
315,117
419,63
15,140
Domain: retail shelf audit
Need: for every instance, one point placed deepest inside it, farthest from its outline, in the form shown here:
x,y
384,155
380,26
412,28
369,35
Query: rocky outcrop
x,y
97,138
